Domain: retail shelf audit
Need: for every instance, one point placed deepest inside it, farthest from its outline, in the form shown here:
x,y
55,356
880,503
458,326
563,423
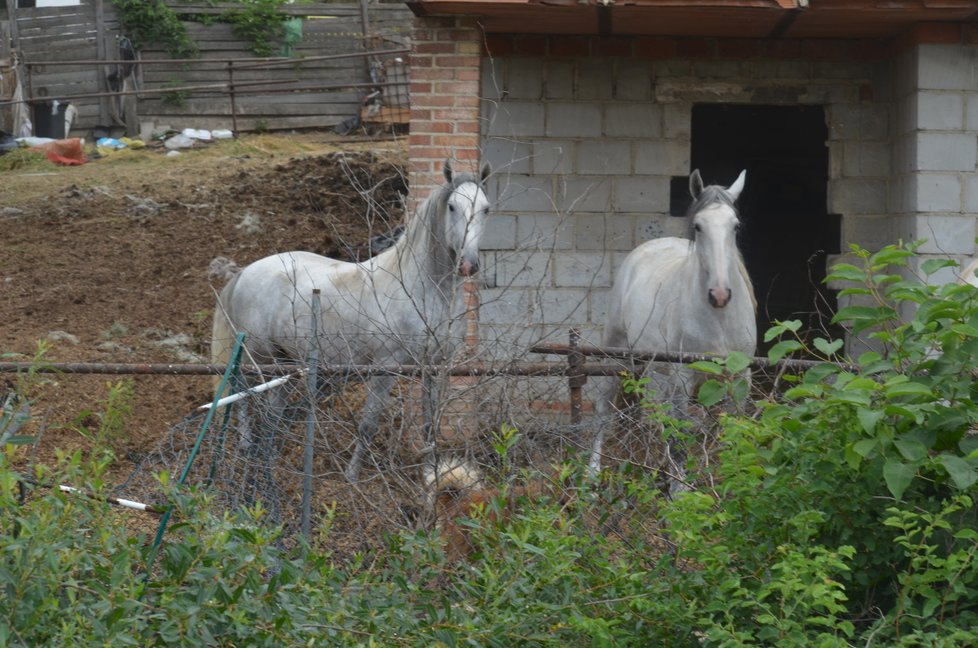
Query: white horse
x,y
394,308
677,295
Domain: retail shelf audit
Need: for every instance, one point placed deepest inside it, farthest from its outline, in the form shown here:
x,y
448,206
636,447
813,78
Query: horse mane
x,y
433,206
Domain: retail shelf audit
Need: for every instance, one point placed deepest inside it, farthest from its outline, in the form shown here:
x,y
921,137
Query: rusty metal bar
x,y
257,62
576,378
466,369
218,87
678,358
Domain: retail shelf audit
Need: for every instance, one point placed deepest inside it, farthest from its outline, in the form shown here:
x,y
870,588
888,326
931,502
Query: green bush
x,y
842,513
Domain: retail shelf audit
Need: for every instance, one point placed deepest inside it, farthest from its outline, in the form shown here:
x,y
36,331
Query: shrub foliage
x,y
842,512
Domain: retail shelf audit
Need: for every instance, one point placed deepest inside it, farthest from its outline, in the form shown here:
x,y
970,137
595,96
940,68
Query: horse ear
x,y
738,185
484,173
447,170
695,184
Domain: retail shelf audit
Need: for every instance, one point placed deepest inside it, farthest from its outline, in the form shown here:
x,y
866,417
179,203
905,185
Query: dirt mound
x,y
109,261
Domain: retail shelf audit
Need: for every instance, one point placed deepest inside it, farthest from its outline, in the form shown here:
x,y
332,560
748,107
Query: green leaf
x,y
737,361
930,266
828,348
898,476
865,447
962,474
711,393
911,449
907,389
707,366
846,272
868,418
782,348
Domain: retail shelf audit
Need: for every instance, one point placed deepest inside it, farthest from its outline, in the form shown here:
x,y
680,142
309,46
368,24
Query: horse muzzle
x,y
468,268
719,297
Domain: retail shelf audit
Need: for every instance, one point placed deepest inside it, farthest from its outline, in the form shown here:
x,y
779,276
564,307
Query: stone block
x,y
598,313
524,78
863,159
944,111
634,80
521,193
936,192
559,82
573,120
522,269
553,157
946,152
507,155
500,233
870,232
603,157
971,112
595,80
947,67
641,194
604,231
971,194
858,121
857,196
677,121
583,194
559,306
945,233
521,119
545,232
582,269
493,78
664,157
633,120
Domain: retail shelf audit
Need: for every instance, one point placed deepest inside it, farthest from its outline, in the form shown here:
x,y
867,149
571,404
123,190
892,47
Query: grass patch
x,y
23,160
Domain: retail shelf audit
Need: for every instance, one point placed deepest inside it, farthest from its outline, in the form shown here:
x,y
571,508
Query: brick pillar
x,y
444,100
445,104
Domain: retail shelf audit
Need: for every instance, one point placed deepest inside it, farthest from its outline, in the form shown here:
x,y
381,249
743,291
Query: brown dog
x,y
459,491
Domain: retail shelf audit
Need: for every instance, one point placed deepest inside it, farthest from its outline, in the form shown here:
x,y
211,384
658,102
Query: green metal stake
x,y
231,369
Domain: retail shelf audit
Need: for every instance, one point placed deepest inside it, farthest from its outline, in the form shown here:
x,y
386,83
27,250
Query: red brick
x,y
421,60
498,45
824,50
457,35
656,48
454,140
969,35
571,46
468,75
454,114
613,46
696,47
420,87
530,45
784,49
420,114
417,139
471,127
467,101
738,48
457,61
434,47
456,87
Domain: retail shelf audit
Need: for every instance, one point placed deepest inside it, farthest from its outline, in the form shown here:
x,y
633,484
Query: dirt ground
x,y
108,261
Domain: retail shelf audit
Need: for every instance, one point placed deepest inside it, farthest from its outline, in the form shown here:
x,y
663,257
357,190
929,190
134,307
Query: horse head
x,y
714,224
465,213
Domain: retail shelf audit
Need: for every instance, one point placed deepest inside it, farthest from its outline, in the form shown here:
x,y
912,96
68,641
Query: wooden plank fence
x,y
322,83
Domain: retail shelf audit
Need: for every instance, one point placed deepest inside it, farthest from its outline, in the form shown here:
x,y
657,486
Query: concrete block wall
x,y
584,146
584,134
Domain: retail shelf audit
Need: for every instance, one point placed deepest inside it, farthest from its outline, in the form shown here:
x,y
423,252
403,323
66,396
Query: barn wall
x,y
584,134
585,143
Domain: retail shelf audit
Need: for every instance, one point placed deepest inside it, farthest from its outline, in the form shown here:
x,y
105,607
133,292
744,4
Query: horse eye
x,y
696,227
451,207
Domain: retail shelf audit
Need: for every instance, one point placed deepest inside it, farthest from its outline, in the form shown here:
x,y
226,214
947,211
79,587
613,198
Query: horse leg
x,y
605,416
378,389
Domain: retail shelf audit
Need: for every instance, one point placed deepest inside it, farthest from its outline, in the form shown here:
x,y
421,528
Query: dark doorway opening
x,y
786,233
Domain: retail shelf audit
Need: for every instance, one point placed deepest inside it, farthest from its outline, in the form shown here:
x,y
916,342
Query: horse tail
x,y
222,331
